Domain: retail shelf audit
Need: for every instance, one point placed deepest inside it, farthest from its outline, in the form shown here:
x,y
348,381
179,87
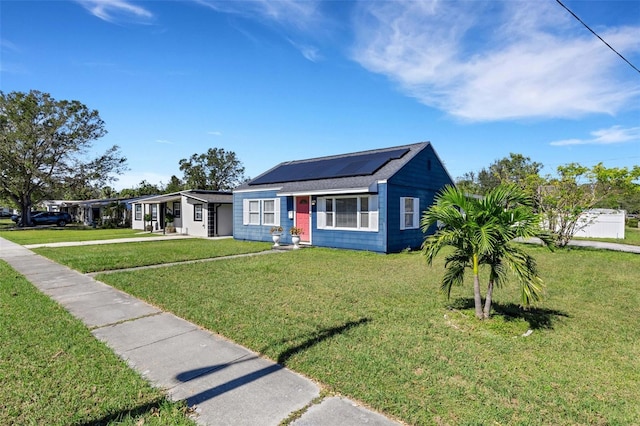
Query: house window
x,y
364,212
348,213
329,211
409,213
197,212
154,212
269,212
254,212
138,211
261,212
176,209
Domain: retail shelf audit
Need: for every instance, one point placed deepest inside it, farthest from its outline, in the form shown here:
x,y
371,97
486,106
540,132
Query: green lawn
x,y
631,236
67,234
54,372
375,328
126,255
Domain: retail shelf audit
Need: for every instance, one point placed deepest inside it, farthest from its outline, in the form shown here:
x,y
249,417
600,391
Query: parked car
x,y
18,218
46,218
51,218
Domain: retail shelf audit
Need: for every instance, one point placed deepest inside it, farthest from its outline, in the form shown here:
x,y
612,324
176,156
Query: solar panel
x,y
348,166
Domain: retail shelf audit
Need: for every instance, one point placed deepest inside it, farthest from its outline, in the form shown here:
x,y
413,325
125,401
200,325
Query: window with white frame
x,y
154,212
138,211
409,213
348,212
197,212
176,209
268,212
261,211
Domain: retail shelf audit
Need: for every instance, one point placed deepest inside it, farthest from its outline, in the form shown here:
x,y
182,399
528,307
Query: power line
x,y
595,34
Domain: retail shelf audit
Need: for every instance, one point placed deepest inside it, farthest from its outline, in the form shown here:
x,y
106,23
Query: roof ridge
x,y
352,154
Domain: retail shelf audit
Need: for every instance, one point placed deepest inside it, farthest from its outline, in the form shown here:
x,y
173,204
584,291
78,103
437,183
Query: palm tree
x,y
481,231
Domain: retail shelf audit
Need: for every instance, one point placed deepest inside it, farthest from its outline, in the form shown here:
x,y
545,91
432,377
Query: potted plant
x,y
295,236
276,231
147,218
168,219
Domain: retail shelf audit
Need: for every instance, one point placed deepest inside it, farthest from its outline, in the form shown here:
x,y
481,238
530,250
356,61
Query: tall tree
x,y
174,185
43,147
217,170
481,232
514,169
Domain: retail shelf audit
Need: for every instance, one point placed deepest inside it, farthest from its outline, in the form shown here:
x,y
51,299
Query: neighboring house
x,y
601,223
6,211
96,211
196,212
370,200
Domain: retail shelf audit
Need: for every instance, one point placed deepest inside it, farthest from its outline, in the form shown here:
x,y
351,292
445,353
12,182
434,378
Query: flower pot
x,y
295,239
276,240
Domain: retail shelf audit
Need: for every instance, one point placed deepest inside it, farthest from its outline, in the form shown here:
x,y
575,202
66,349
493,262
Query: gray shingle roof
x,y
340,183
198,194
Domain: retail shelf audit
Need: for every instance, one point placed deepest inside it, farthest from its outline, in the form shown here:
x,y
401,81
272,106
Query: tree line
x,y
562,197
44,154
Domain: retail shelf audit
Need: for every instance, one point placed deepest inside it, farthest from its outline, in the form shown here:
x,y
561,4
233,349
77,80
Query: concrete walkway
x,y
227,384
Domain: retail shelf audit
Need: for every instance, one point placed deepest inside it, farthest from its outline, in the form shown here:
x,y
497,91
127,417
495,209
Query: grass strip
x,y
127,255
68,234
54,372
376,328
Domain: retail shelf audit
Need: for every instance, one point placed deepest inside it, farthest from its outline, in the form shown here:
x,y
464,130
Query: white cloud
x,y
485,61
164,142
299,14
311,53
612,135
215,133
116,10
303,18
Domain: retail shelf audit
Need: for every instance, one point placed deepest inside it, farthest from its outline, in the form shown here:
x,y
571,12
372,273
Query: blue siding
x,y
356,239
413,180
422,177
260,232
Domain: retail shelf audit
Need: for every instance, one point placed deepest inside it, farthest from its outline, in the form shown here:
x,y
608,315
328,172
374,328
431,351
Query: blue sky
x,y
284,80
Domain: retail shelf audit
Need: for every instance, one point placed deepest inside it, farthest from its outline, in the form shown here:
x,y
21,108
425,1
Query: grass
x,y
126,255
54,372
67,234
375,328
631,237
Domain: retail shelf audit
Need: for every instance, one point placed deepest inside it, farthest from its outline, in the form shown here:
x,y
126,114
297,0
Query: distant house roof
x,y
97,202
197,194
355,172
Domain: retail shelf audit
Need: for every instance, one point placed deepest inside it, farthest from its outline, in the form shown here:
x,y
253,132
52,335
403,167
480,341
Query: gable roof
x,y
353,172
203,195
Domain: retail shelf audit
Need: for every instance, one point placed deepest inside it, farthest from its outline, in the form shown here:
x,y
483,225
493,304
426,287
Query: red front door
x,y
303,218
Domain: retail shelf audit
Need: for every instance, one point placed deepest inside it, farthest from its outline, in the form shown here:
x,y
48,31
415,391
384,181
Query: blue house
x,y
369,200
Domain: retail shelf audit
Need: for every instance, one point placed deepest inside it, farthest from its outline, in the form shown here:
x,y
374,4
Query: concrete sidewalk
x,y
115,241
227,384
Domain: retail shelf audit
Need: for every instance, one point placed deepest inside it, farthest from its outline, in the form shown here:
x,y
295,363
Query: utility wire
x,y
595,34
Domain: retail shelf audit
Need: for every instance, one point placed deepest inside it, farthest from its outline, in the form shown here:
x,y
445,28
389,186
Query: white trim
x,y
246,211
342,191
372,213
238,191
415,213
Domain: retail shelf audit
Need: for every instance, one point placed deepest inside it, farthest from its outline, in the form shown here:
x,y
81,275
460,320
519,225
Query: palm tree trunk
x,y
476,288
487,301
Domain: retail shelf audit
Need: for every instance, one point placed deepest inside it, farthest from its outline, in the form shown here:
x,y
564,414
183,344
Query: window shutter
x,y
245,211
401,213
416,212
276,208
322,215
373,213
